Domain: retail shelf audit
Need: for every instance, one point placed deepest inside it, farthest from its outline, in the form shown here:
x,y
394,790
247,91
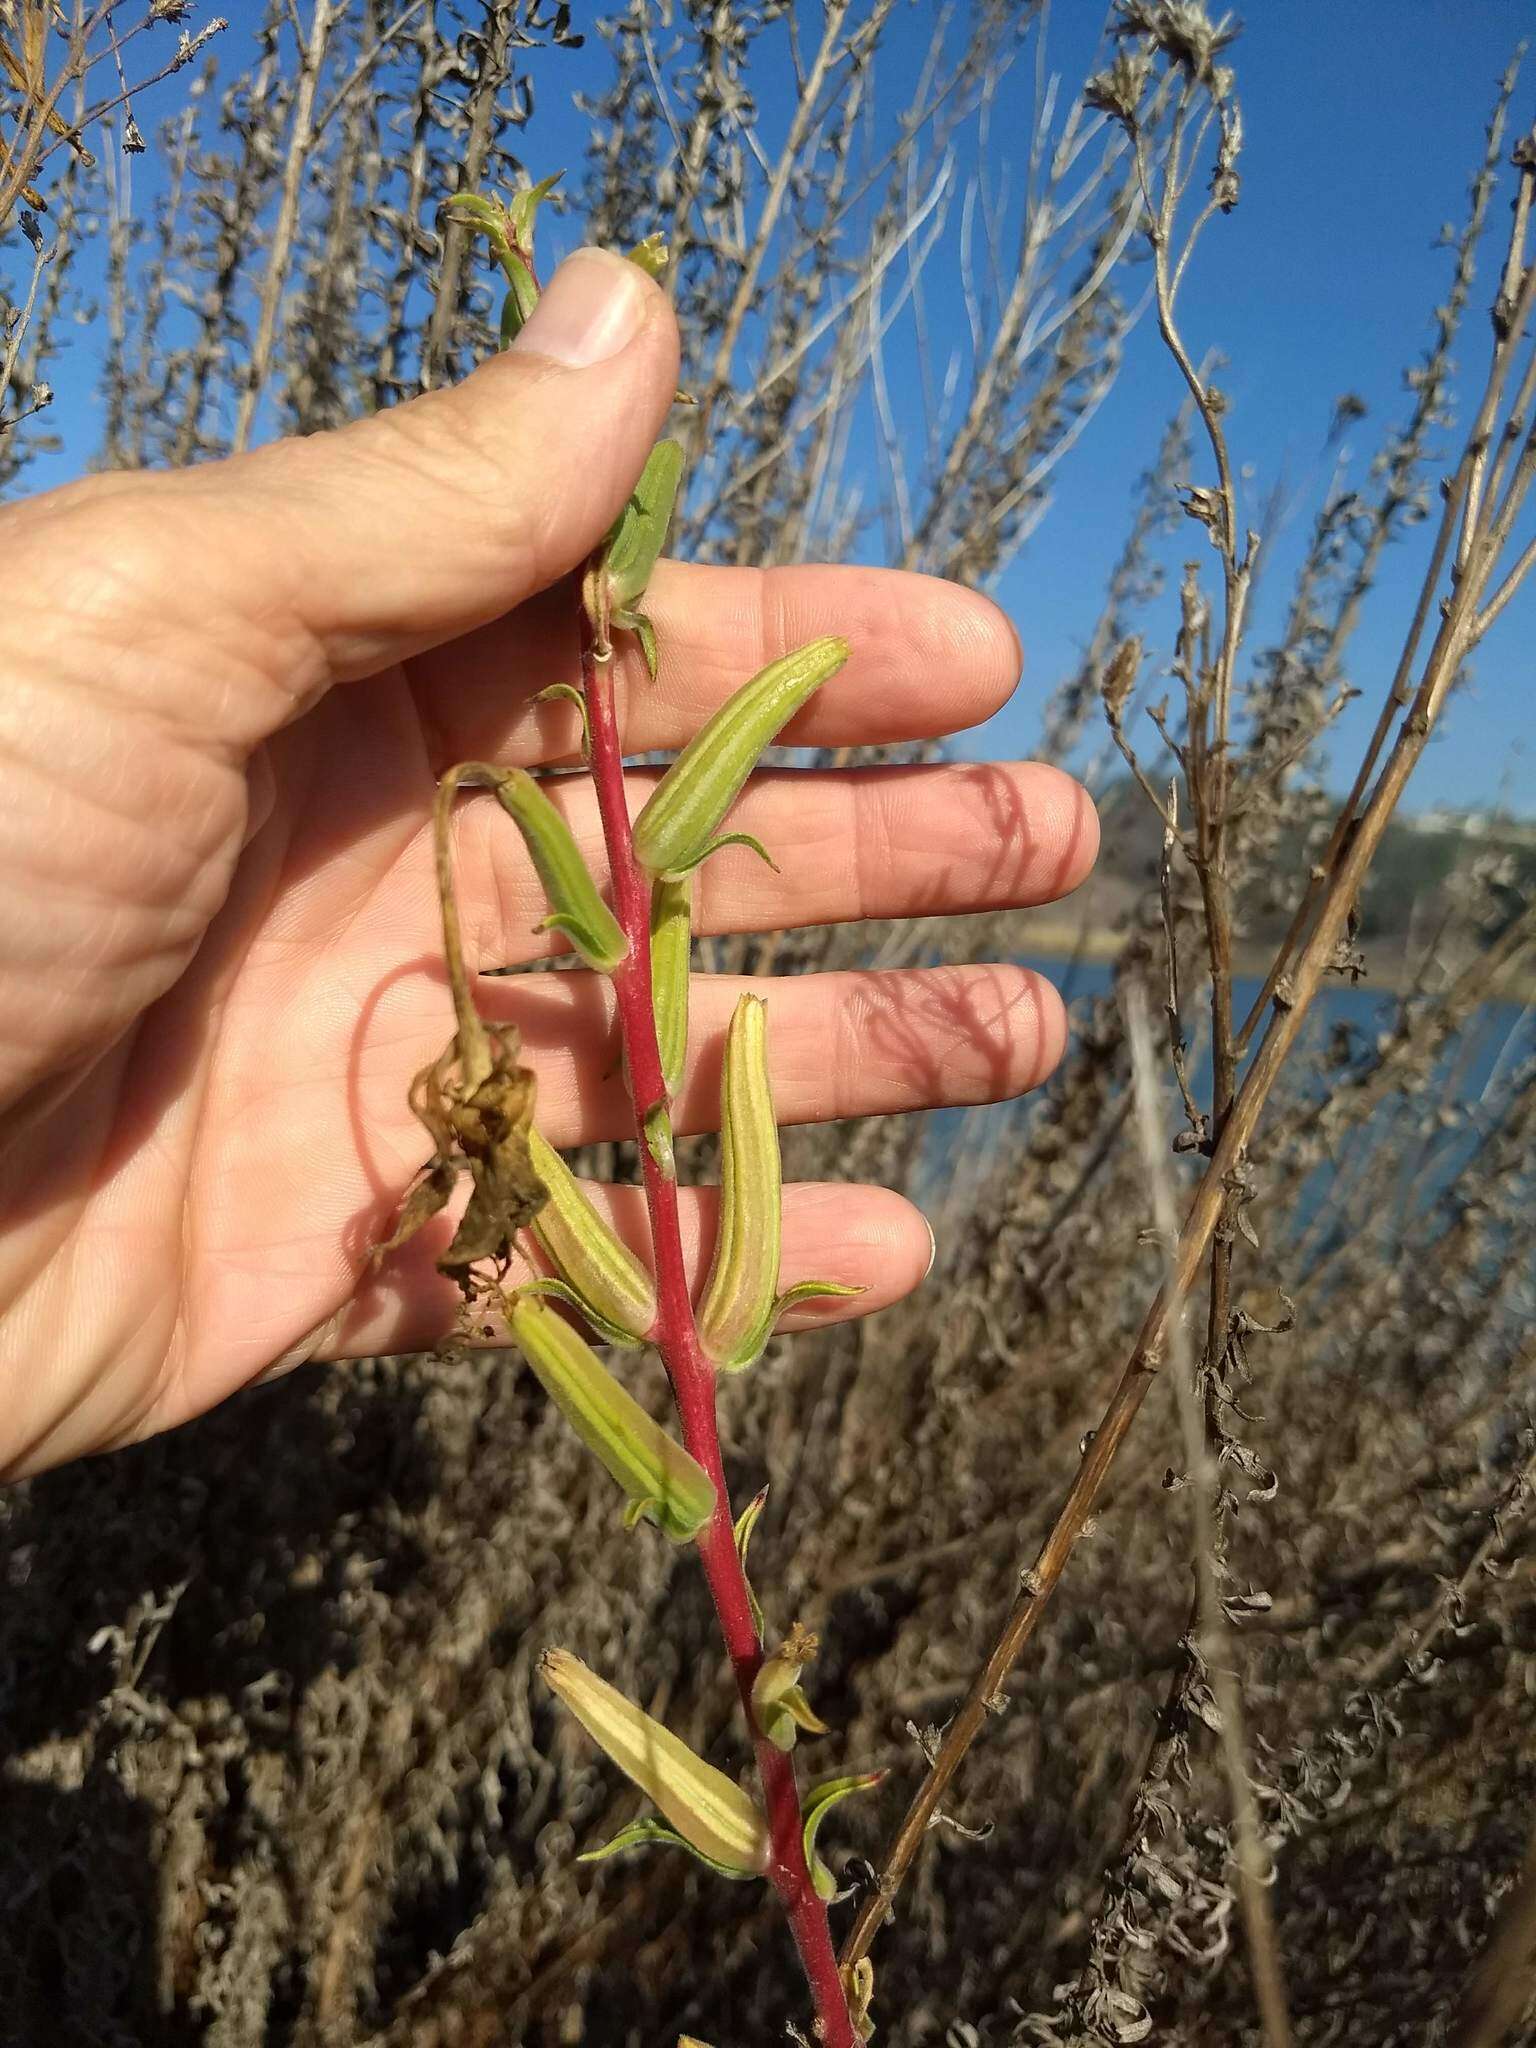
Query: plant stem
x,y
692,1376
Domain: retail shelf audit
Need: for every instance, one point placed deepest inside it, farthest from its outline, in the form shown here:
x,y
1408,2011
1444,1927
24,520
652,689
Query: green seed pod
x,y
575,906
736,1313
676,829
596,1270
664,1484
710,1811
640,532
671,963
742,1301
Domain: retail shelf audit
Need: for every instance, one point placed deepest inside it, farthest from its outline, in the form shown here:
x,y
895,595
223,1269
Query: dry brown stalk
x,y
1457,635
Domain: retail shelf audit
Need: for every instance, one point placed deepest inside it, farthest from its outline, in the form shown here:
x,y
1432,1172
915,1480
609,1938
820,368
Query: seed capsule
x,y
709,1810
640,533
664,1484
600,1274
677,827
575,906
742,1301
671,965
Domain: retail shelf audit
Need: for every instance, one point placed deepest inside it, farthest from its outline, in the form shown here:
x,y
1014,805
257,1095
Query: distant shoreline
x,y
1387,966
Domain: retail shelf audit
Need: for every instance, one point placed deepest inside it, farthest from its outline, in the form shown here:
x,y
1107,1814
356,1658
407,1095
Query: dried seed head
x,y
780,1705
711,1813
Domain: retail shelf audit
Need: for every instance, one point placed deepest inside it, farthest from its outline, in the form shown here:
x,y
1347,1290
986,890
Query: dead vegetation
x,y
277,1768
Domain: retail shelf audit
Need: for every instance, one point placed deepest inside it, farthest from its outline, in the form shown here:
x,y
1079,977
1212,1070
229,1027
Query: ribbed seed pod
x,y
575,906
711,1813
598,1272
677,827
664,1484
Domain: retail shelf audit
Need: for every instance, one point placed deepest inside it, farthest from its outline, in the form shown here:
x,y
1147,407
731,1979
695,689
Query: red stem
x,y
676,1337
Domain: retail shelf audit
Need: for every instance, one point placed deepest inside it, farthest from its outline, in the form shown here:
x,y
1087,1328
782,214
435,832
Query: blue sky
x,y
1363,121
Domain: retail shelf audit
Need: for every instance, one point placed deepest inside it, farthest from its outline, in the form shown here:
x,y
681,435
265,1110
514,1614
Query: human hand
x,y
225,695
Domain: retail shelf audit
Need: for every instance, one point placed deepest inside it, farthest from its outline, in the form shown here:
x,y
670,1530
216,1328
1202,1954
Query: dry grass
x,y
276,1767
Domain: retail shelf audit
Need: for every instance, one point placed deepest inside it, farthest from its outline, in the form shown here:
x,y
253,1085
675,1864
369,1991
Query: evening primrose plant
x,y
477,1100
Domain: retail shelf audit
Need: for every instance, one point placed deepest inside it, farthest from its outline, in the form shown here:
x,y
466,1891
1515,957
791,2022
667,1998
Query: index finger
x,y
928,658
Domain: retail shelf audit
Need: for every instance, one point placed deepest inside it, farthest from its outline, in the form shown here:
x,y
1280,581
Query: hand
x,y
225,695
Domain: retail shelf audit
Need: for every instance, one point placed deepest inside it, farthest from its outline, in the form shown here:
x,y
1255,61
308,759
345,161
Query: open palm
x,y
219,946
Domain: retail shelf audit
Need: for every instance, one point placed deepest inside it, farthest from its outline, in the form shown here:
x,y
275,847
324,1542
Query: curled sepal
x,y
709,1810
571,695
671,964
664,1484
746,1522
778,1701
859,1990
674,830
724,839
575,906
640,1834
638,624
819,1802
594,1268
640,532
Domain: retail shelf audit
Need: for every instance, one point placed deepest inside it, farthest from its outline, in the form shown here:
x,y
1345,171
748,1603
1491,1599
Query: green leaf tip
x,y
746,1522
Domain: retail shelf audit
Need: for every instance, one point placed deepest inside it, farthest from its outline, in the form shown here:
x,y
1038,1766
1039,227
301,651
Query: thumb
x,y
434,517
317,560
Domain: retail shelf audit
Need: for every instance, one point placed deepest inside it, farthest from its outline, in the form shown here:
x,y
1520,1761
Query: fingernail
x,y
933,1247
591,307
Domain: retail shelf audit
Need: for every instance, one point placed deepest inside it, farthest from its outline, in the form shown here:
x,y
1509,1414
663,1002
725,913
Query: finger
x,y
840,1045
927,658
861,1237
329,557
925,840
